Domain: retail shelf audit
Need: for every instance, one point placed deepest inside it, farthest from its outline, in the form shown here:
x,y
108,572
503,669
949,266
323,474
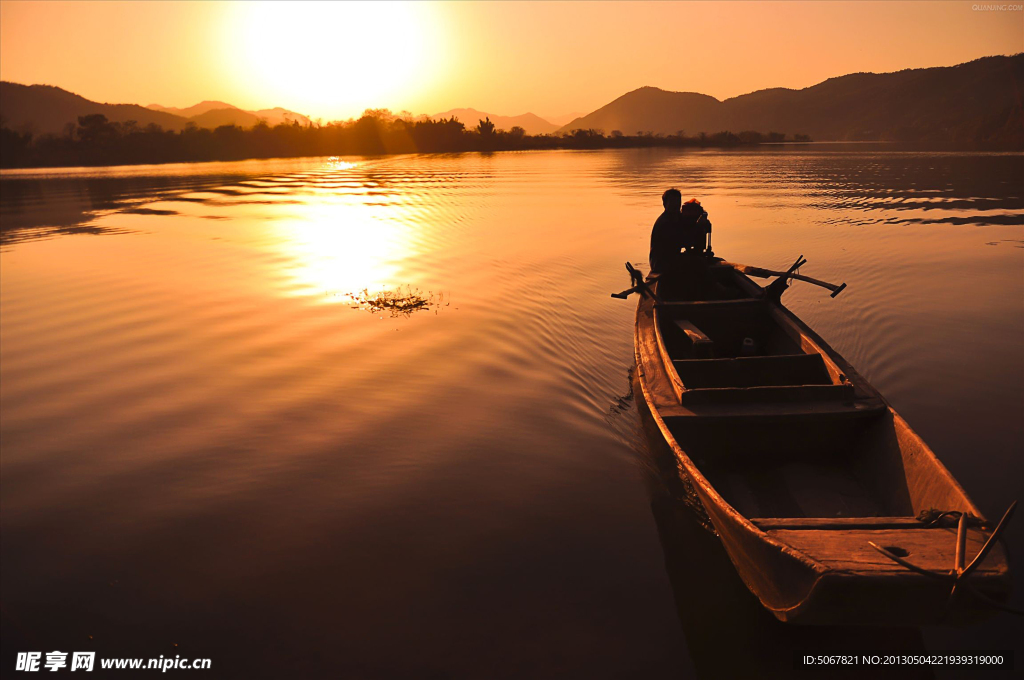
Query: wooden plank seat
x,y
849,551
784,369
767,394
701,345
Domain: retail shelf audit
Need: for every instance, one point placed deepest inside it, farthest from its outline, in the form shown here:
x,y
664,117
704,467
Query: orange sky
x,y
332,60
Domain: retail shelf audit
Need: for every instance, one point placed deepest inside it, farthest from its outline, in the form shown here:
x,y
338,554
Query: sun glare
x,y
339,245
332,60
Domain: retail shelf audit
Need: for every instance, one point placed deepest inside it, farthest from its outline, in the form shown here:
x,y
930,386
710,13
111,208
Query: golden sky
x,y
333,60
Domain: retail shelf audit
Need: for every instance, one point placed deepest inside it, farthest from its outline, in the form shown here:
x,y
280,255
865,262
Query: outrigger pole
x,y
763,273
639,285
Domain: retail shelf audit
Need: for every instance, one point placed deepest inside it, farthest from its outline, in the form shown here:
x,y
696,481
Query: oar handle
x,y
836,290
762,273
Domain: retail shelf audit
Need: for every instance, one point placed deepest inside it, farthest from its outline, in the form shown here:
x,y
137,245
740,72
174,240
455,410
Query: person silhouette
x,y
694,227
666,236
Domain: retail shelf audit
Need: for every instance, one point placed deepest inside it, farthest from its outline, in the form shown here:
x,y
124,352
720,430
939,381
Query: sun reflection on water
x,y
335,163
342,244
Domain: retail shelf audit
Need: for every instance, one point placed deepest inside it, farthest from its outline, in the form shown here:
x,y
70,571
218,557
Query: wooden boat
x,y
831,508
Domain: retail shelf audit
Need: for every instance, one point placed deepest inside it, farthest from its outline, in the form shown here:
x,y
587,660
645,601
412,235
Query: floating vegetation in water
x,y
398,302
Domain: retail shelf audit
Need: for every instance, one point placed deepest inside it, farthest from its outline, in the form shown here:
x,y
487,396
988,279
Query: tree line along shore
x,y
96,141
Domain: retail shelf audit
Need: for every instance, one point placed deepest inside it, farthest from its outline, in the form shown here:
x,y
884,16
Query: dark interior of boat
x,y
808,441
828,467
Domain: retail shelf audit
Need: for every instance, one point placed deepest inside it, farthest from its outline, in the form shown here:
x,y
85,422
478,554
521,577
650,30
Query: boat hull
x,y
813,570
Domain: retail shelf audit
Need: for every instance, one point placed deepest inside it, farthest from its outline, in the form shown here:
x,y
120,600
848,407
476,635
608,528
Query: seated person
x,y
694,227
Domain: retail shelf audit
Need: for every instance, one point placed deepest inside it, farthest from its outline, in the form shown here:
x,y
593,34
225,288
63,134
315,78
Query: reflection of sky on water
x,y
193,383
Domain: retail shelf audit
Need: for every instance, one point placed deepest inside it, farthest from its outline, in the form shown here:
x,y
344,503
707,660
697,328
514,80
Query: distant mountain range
x,y
977,101
213,114
980,101
533,124
44,109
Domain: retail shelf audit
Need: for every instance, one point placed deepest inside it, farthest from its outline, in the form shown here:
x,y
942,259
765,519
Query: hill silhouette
x,y
197,110
532,124
277,116
45,109
650,109
980,101
212,114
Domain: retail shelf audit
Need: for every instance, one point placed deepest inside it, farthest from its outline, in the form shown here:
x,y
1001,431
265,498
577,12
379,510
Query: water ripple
x,y
194,375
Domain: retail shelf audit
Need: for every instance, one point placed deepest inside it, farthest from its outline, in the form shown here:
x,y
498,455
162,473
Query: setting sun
x,y
332,58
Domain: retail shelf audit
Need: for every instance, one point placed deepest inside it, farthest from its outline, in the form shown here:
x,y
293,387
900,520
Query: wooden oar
x,y
763,273
639,285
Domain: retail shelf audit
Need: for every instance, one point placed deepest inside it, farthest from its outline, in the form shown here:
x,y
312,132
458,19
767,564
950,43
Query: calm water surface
x,y
371,418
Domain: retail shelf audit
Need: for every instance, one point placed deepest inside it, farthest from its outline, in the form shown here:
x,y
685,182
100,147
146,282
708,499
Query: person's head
x,y
692,207
672,199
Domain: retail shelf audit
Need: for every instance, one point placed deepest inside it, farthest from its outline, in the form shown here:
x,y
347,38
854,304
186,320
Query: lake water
x,y
371,417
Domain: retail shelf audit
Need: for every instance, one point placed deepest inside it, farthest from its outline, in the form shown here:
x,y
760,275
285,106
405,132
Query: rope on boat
x,y
931,517
958,575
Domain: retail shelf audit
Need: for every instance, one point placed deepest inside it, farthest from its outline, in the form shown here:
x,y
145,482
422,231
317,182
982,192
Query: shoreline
x,y
34,171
